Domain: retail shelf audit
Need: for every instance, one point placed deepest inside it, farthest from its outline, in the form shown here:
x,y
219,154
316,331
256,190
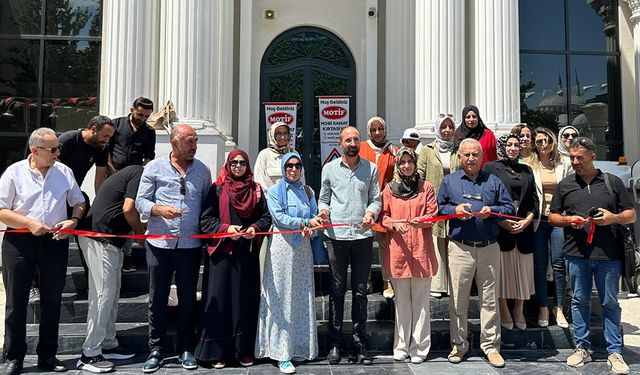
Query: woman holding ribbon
x,y
411,260
234,210
287,317
549,168
437,160
516,235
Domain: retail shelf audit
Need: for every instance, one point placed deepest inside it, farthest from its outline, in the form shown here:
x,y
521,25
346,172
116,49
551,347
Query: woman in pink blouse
x,y
411,259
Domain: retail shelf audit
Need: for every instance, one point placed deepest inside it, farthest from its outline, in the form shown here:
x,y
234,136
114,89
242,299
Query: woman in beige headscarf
x,y
267,171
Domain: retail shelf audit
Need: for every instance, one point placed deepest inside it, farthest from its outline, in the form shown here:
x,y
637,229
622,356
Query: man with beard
x,y
170,196
473,250
133,143
81,149
350,193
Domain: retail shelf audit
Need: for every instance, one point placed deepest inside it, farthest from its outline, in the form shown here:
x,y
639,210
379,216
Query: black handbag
x,y
628,239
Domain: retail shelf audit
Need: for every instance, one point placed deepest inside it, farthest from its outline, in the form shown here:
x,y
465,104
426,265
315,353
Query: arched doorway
x,y
299,65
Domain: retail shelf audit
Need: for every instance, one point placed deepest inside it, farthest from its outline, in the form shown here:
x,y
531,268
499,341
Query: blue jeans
x,y
541,238
606,274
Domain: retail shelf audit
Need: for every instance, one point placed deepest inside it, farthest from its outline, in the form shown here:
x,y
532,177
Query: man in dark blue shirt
x,y
473,250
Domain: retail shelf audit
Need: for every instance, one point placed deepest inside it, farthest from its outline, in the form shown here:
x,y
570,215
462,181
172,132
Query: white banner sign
x,y
282,111
334,115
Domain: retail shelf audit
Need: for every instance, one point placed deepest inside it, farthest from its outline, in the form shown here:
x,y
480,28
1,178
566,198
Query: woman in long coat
x,y
231,290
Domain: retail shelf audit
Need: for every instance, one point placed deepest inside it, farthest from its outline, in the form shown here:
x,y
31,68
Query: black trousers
x,y
21,254
358,254
162,264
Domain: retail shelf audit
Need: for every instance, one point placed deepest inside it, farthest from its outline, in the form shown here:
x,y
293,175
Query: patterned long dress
x,y
287,317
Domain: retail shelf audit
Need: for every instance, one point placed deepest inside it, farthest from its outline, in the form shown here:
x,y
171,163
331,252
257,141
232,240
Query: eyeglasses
x,y
238,163
567,135
52,150
293,165
476,197
281,134
183,186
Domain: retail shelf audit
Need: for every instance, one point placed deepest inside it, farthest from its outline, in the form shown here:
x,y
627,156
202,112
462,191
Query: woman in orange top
x,y
378,150
410,259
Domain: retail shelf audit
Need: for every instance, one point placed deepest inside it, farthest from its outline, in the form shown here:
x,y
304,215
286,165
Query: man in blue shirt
x,y
473,250
350,193
172,190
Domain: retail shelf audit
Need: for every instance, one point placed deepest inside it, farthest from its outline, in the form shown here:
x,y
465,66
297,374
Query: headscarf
x,y
464,131
443,146
381,145
563,150
502,150
240,191
273,142
301,208
402,186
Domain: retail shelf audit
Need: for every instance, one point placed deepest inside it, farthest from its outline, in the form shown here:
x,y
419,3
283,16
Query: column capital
x,y
634,5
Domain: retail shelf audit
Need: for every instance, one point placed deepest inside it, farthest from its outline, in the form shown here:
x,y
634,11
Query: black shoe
x,y
117,353
362,354
153,362
188,361
52,364
334,356
95,364
127,264
12,367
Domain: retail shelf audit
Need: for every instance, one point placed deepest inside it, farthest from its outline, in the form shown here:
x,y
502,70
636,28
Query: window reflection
x,y
543,90
588,20
20,16
18,85
12,150
70,84
542,24
73,17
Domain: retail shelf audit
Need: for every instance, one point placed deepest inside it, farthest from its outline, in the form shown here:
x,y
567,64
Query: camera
x,y
372,12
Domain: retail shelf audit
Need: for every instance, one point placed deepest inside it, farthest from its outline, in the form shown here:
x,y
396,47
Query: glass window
x,y
543,89
71,74
13,149
20,16
586,25
73,17
18,85
542,24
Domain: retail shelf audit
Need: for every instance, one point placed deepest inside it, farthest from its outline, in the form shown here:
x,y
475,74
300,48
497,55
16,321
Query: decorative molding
x,y
634,6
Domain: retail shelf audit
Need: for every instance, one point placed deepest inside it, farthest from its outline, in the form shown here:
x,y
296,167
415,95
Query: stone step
x,y
379,335
133,308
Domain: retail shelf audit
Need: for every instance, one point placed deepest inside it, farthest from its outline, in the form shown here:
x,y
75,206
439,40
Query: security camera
x,y
372,12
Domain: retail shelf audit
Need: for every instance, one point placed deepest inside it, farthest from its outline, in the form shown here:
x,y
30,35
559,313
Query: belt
x,y
477,243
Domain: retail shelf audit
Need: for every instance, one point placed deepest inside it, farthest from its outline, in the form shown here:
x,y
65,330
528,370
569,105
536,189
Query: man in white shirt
x,y
34,194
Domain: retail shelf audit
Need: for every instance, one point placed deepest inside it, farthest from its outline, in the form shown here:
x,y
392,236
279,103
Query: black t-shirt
x,y
106,214
131,148
575,197
76,154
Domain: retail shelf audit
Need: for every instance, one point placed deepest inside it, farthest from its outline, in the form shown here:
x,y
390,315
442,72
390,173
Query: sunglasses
x,y
52,150
542,142
183,186
293,165
567,135
584,142
236,163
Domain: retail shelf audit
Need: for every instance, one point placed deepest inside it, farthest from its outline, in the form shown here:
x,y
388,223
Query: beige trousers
x,y
483,264
440,282
413,317
382,248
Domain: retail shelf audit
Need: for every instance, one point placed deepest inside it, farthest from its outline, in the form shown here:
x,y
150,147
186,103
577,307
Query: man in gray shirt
x,y
349,194
171,192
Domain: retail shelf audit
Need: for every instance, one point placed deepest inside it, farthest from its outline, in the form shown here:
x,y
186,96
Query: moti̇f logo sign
x,y
334,112
280,116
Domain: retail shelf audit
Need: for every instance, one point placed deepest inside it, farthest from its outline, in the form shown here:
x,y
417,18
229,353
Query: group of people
x,y
504,201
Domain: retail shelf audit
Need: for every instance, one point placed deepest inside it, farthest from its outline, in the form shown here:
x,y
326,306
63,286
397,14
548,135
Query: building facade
x,y
545,62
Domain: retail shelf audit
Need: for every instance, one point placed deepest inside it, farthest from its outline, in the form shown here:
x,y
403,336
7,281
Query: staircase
x,y
133,307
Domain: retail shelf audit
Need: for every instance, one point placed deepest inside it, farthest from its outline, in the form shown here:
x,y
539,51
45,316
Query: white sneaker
x,y
617,363
173,296
579,357
286,367
416,360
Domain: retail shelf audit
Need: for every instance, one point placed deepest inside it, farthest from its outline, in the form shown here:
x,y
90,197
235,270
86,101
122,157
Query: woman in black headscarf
x,y
472,126
516,236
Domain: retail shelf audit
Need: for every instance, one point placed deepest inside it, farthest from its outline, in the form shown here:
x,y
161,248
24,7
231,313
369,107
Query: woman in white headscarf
x,y
267,170
566,135
437,160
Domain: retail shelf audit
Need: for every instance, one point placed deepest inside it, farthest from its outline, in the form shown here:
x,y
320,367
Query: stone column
x,y
439,62
634,5
196,62
400,74
494,62
129,61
